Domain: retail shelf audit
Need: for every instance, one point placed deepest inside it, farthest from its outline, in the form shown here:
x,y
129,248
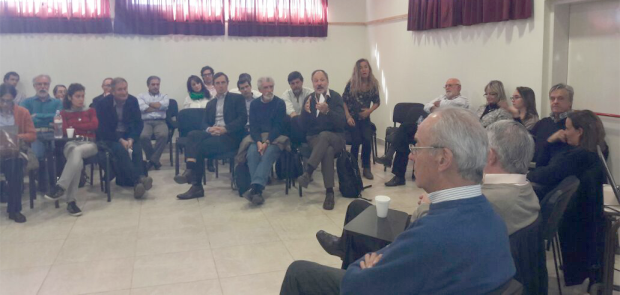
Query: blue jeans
x,y
260,166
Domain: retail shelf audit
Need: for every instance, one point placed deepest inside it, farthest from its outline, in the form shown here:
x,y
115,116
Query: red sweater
x,y
84,122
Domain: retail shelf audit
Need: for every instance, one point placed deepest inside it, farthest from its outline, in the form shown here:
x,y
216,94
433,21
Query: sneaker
x,y
73,209
55,194
138,191
147,182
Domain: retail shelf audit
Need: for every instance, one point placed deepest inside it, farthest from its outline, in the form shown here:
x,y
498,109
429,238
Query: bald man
x,y
404,134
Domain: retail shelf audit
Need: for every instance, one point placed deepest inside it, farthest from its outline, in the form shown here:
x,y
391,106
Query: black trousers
x,y
201,145
309,278
13,170
361,134
292,128
127,169
356,246
402,138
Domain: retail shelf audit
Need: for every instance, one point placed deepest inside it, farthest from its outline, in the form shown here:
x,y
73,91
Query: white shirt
x,y
458,101
293,103
144,99
219,110
212,90
189,103
457,193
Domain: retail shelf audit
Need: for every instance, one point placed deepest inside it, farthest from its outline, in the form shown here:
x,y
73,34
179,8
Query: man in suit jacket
x,y
222,131
120,125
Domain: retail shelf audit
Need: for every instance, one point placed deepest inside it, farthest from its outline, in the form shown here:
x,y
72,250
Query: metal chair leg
x,y
107,176
555,263
176,161
32,187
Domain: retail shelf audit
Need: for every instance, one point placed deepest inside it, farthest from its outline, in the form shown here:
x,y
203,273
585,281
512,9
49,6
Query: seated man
x,y
246,77
120,125
12,78
245,89
42,108
504,184
153,106
406,131
223,125
105,86
323,119
561,100
266,116
428,257
294,98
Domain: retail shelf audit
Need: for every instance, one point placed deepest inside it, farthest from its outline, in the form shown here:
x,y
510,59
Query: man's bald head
x,y
453,88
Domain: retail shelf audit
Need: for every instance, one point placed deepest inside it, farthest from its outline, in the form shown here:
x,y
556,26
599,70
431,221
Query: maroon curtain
x,y
58,16
165,17
295,18
434,14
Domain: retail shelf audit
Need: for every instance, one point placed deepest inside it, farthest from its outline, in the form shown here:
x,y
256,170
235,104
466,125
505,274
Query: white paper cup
x,y
383,204
70,132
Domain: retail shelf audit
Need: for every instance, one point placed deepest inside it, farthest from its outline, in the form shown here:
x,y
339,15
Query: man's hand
x,y
307,105
155,105
124,143
262,147
424,200
437,103
351,121
370,260
293,115
560,135
130,141
365,113
322,107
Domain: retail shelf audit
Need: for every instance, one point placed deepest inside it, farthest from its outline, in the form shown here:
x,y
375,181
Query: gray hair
x,y
117,80
263,80
513,145
460,131
568,88
34,80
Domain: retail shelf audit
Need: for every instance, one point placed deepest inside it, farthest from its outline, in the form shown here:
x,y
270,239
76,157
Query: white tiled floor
x,y
220,244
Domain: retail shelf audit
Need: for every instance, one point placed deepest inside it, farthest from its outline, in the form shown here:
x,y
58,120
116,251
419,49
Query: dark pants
x,y
402,138
361,134
201,145
325,146
356,246
128,170
292,128
309,278
13,170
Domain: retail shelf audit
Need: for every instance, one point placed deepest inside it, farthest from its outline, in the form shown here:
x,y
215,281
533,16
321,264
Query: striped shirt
x,y
457,193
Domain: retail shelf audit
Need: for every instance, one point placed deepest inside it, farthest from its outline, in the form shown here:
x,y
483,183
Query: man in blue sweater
x,y
460,247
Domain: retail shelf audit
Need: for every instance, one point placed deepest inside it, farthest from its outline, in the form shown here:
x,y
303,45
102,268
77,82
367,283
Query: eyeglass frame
x,y
413,149
513,98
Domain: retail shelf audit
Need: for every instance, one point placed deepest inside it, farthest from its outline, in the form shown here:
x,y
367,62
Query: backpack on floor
x,y
242,178
349,177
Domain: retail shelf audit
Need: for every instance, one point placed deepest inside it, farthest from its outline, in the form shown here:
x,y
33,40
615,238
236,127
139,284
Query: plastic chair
x,y
187,120
528,252
171,121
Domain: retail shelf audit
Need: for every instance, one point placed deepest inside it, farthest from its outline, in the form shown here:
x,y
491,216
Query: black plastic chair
x,y
187,120
404,112
552,208
230,156
528,252
171,121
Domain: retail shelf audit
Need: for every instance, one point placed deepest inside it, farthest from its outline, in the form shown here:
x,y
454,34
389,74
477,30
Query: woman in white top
x,y
198,94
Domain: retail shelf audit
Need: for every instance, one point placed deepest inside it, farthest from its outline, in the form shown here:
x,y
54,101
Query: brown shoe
x,y
329,202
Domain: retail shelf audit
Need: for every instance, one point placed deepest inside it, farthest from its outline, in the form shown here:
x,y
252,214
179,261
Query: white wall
x,y
594,66
415,65
88,59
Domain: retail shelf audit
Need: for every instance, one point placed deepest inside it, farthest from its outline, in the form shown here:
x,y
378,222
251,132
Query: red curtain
x,y
55,16
166,17
434,14
296,18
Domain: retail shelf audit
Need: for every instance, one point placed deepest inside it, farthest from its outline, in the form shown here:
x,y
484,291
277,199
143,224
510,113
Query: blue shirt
x,y
44,110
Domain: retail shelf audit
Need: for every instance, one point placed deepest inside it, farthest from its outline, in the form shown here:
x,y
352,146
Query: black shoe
x,y
73,209
139,190
329,202
330,243
258,199
385,161
184,178
17,217
367,174
147,182
55,194
396,181
196,191
304,180
157,166
210,166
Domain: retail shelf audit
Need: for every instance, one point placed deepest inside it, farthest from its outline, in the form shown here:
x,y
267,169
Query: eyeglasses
x,y
515,97
415,149
490,94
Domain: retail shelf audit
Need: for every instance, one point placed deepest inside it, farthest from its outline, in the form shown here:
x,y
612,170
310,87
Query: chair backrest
x,y
554,204
172,113
610,177
189,120
401,111
528,252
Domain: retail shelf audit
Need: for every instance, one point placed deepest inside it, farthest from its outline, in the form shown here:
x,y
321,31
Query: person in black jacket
x,y
324,121
561,100
222,130
120,126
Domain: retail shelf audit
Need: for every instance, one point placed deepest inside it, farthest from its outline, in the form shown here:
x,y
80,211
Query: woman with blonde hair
x,y
491,112
361,91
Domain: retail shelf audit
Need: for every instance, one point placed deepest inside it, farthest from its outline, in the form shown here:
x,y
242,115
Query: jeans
x,y
260,166
75,152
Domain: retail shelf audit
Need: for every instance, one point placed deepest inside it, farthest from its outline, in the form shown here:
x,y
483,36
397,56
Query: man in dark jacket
x,y
222,130
120,125
323,119
561,102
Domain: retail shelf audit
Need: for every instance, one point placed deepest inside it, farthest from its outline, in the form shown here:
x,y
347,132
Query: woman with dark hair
x,y
361,90
198,96
60,92
84,122
13,116
580,234
523,107
491,112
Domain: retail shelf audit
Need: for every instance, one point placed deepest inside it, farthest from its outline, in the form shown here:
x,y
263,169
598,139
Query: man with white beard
x,y
267,114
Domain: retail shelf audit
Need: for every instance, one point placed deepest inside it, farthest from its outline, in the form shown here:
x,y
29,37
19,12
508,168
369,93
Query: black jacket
x,y
267,117
333,121
235,115
541,132
108,119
